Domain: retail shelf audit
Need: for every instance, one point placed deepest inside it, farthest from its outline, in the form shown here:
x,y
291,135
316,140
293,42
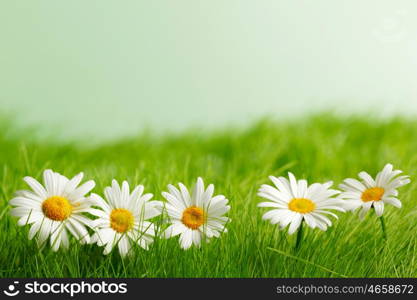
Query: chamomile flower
x,y
293,202
369,193
123,218
54,209
197,216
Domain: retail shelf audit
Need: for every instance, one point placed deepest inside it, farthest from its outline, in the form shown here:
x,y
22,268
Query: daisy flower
x,y
293,202
195,216
123,218
54,209
376,193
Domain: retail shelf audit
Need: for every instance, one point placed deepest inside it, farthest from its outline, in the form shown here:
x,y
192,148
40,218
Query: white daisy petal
x,y
365,208
25,202
270,214
34,230
398,182
273,194
125,194
103,236
314,190
56,237
174,201
208,195
198,193
287,219
177,195
29,218
383,176
367,179
393,201
124,246
293,185
111,198
355,184
152,209
80,229
136,193
310,221
173,212
82,190
49,180
36,187
320,225
282,185
218,211
275,216
29,195
186,239
64,239
379,208
109,247
295,223
44,231
322,218
196,236
73,183
272,204
117,193
302,188
185,194
174,229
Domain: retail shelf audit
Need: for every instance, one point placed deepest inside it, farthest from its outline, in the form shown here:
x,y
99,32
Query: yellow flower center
x,y
372,194
57,208
193,217
121,220
301,205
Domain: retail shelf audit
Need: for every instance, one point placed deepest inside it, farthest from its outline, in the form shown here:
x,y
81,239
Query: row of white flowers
x,y
294,202
61,208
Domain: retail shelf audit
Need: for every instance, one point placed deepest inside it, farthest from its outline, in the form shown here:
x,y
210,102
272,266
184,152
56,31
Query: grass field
x,y
237,161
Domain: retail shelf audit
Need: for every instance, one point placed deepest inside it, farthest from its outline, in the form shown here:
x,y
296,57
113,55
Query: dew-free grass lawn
x,y
237,161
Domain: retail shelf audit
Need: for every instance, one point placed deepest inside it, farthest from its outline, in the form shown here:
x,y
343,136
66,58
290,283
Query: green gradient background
x,y
108,69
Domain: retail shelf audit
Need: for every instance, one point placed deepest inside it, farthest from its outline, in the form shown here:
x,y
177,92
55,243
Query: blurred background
x,y
108,69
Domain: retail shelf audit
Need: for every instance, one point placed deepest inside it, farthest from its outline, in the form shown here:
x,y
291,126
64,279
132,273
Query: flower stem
x,y
384,230
299,236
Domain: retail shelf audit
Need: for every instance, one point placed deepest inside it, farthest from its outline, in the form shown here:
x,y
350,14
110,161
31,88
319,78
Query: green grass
x,y
237,161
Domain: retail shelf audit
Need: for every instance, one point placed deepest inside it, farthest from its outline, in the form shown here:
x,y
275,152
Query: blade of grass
x,y
306,262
